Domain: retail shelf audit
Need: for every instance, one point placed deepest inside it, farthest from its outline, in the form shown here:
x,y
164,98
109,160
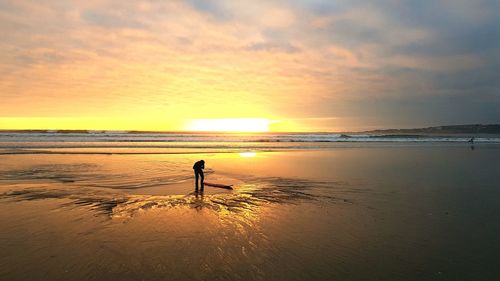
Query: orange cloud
x,y
164,63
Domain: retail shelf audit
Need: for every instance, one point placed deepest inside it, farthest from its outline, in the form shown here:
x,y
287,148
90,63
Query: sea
x,y
134,142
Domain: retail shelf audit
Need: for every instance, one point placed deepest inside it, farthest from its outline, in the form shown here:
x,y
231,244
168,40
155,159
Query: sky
x,y
318,65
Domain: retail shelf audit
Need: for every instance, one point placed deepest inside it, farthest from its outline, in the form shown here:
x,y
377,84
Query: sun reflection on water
x,y
248,154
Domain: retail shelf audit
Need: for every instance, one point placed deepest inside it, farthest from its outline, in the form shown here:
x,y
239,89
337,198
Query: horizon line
x,y
230,132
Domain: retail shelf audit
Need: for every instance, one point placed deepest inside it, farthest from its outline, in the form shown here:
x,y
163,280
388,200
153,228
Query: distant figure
x,y
198,173
471,140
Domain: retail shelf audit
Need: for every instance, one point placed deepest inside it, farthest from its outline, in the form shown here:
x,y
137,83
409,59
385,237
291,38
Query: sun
x,y
229,125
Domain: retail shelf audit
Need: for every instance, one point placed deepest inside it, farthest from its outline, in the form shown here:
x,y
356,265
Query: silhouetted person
x,y
471,140
198,173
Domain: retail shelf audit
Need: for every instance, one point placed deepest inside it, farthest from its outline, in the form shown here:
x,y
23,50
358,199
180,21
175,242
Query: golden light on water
x,y
248,154
229,125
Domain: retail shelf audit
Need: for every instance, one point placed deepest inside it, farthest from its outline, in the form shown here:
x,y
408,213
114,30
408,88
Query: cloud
x,y
106,19
269,46
358,60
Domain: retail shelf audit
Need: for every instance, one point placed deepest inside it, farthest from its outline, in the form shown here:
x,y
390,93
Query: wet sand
x,y
378,212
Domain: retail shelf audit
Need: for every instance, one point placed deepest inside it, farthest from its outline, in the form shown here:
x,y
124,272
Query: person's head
x,y
202,161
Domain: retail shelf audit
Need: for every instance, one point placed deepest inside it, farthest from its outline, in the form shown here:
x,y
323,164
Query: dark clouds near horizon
x,y
465,35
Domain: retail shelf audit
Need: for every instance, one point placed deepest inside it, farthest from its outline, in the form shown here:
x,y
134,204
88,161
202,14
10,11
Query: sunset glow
x,y
229,125
313,65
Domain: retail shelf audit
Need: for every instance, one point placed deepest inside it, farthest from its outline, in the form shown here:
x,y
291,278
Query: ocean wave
x,y
212,140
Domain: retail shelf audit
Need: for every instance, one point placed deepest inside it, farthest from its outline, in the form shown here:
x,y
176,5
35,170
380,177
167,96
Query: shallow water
x,y
370,212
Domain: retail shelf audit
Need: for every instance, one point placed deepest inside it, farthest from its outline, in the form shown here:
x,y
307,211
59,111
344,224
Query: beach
x,y
337,140
297,211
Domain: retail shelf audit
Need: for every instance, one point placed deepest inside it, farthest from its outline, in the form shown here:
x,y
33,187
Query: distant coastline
x,y
450,129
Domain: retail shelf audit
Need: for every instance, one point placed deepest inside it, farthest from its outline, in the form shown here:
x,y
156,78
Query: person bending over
x,y
198,173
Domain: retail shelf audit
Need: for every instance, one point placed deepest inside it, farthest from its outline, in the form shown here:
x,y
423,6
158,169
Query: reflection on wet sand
x,y
119,189
247,199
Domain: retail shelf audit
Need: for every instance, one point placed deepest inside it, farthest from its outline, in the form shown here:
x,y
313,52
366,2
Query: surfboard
x,y
218,185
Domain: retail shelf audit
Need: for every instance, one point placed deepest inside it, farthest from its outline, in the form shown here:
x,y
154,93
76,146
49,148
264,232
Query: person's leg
x,y
202,177
196,179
